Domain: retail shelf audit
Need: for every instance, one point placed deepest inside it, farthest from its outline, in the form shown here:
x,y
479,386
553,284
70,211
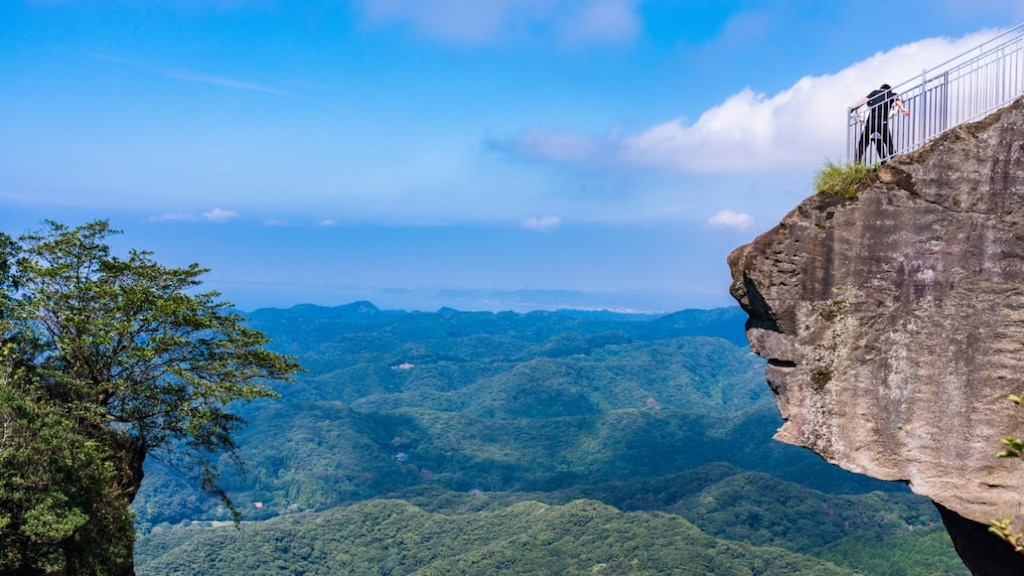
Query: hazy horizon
x,y
484,300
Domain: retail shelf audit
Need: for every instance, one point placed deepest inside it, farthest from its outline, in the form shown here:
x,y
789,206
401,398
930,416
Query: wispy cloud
x,y
749,131
215,4
220,215
541,223
1010,8
487,21
562,147
327,222
189,75
172,216
602,21
731,219
276,223
217,215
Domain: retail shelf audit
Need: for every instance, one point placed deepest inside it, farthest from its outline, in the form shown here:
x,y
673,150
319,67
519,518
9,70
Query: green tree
x,y
109,360
58,510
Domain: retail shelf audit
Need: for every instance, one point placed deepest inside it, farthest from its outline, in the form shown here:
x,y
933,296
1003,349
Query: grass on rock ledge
x,y
836,180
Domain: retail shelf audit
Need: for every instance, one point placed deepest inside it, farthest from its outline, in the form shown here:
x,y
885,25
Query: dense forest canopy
x,y
548,442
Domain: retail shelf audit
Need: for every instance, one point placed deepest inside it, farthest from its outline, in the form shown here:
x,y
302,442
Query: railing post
x,y
943,119
924,106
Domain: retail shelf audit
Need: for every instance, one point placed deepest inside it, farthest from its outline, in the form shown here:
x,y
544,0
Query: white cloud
x,y
799,127
743,28
172,216
603,21
454,20
731,219
276,223
328,222
215,215
541,223
219,215
487,21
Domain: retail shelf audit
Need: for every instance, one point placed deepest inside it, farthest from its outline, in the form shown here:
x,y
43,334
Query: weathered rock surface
x,y
894,322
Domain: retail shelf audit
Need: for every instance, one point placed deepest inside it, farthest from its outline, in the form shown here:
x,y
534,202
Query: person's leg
x,y
864,142
887,140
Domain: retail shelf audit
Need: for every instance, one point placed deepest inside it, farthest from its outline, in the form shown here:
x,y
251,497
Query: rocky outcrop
x,y
893,323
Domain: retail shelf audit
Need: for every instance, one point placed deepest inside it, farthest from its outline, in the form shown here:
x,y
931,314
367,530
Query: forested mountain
x,y
576,442
528,539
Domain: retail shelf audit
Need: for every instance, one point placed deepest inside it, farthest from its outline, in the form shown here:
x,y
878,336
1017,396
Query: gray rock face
x,y
894,322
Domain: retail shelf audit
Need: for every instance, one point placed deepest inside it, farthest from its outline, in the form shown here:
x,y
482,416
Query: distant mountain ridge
x,y
524,299
726,322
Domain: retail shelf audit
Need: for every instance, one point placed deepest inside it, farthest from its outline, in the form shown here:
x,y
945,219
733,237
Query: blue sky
x,y
323,150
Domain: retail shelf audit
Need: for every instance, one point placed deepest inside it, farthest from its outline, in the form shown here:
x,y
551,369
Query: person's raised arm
x,y
901,106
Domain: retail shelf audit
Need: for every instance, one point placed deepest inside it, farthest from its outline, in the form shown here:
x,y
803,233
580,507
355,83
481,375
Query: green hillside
x,y
529,539
474,420
714,520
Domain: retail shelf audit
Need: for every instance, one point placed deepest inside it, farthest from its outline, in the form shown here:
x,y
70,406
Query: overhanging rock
x,y
893,322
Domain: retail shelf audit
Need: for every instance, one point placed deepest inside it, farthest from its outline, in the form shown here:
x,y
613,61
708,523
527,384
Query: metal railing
x,y
962,89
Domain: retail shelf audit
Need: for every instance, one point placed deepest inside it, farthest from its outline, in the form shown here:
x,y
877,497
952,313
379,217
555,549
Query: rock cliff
x,y
893,323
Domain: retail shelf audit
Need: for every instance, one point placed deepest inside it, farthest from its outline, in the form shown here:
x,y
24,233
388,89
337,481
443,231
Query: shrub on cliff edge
x,y
835,179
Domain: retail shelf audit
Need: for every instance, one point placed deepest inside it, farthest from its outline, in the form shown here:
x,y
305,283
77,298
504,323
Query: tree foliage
x,y
106,361
58,511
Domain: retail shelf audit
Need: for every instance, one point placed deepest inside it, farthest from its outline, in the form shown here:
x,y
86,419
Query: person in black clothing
x,y
880,103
